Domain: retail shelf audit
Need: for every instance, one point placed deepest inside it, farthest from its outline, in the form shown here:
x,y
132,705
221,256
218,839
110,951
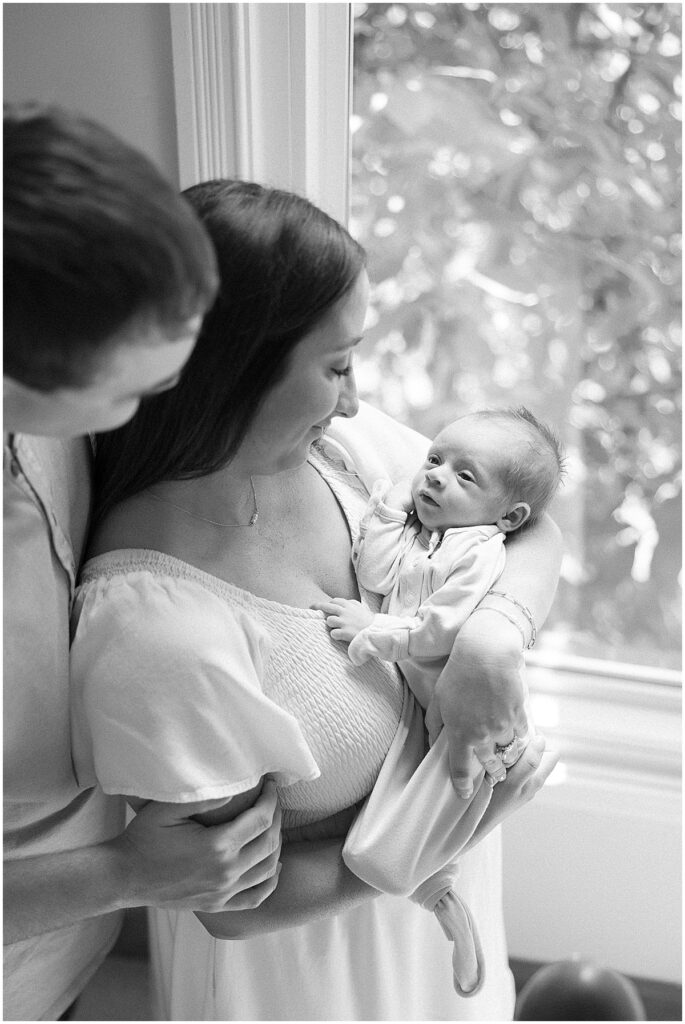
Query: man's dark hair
x,y
283,263
95,241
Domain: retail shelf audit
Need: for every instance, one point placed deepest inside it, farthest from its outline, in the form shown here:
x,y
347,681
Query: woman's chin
x,y
293,460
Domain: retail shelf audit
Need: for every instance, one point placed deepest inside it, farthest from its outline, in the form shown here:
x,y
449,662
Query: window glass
x,y
515,180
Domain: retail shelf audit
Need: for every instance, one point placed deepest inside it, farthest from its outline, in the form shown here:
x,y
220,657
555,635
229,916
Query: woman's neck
x,y
220,499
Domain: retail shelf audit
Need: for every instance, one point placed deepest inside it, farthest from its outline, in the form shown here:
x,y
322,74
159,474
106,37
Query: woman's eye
x,y
344,372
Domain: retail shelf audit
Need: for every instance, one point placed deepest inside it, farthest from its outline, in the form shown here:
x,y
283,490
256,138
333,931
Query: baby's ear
x,y
514,518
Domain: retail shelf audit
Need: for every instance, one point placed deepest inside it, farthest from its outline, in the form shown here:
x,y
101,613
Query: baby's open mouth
x,y
425,496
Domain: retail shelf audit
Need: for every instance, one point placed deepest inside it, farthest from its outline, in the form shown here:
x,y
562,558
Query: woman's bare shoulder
x,y
133,523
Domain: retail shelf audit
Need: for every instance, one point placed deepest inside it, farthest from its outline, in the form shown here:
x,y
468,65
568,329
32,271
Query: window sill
x,y
621,720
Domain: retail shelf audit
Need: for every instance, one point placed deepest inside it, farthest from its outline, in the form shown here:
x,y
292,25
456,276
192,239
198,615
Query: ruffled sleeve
x,y
167,702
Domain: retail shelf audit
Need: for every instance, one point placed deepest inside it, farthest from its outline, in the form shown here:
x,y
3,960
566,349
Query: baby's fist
x,y
399,496
344,618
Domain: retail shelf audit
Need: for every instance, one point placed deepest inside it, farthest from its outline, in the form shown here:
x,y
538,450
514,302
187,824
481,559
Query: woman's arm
x,y
314,883
479,698
531,572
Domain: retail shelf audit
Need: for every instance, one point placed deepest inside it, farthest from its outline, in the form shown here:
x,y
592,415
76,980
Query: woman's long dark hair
x,y
283,264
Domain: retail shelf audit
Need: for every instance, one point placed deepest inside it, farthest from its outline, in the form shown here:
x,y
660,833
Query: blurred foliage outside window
x,y
516,183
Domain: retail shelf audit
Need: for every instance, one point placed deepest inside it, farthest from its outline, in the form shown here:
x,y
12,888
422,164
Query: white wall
x,y
109,61
593,865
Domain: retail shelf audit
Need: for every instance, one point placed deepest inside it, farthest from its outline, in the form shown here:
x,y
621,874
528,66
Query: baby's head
x,y
499,466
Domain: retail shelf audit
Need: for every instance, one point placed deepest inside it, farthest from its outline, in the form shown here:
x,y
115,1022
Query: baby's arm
x,y
431,632
378,551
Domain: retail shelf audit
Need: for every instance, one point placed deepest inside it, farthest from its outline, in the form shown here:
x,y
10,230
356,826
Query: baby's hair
x,y
531,479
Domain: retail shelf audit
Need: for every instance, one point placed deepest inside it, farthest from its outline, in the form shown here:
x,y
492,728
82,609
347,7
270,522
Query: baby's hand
x,y
400,496
344,618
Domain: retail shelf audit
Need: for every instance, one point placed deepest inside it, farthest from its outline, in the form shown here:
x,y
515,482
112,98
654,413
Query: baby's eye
x,y
433,460
465,474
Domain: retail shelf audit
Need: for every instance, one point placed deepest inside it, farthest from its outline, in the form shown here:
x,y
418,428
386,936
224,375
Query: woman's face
x,y
319,384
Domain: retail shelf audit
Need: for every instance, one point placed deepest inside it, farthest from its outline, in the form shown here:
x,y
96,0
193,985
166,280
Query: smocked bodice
x,y
348,715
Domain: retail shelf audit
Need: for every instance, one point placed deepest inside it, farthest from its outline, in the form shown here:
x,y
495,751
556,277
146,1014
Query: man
x,y
107,276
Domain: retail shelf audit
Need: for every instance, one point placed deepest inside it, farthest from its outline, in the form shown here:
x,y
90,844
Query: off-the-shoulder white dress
x,y
185,688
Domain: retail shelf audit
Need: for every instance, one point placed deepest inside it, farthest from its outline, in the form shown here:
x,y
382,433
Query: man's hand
x,y
175,862
344,618
163,859
479,698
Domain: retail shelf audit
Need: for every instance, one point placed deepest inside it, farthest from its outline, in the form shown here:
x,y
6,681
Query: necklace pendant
x,y
254,517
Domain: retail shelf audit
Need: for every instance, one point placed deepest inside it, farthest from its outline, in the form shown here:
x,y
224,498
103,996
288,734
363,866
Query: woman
x,y
200,667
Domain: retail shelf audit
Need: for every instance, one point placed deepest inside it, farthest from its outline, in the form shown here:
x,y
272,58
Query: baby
x,y
434,548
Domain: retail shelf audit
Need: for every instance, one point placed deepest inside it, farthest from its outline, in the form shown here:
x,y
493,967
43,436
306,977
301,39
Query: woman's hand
x,y
479,698
524,780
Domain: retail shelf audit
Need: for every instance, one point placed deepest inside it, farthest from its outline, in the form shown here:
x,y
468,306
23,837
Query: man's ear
x,y
514,518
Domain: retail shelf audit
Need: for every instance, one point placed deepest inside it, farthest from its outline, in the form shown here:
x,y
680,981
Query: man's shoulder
x,y
56,475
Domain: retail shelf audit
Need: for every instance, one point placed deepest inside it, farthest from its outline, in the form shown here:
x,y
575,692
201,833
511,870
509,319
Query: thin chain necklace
x,y
253,518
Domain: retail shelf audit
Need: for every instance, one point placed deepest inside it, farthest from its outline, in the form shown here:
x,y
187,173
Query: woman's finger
x,y
535,750
545,767
494,768
529,762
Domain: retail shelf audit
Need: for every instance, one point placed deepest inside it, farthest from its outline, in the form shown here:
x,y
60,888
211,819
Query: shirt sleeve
x,y
167,698
378,550
432,631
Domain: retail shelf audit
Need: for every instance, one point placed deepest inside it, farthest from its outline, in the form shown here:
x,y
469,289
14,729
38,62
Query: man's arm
x,y
480,695
164,858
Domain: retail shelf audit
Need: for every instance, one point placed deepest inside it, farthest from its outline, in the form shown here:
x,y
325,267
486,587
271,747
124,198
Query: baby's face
x,y
460,483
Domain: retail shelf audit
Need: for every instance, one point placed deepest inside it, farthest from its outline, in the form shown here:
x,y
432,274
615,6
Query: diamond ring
x,y
506,749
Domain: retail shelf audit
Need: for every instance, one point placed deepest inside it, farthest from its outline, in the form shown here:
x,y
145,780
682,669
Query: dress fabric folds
x,y
270,665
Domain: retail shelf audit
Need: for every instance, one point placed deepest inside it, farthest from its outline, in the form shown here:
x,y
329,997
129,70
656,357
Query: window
x,y
515,180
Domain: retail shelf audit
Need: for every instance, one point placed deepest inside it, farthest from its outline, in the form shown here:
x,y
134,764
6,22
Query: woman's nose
x,y
348,402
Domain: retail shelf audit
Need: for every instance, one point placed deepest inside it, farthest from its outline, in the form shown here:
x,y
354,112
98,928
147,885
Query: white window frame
x,y
263,91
